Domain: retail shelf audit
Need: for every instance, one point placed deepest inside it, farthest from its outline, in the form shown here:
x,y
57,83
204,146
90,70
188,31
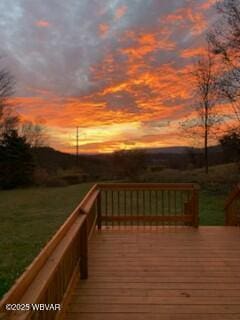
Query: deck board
x,y
188,274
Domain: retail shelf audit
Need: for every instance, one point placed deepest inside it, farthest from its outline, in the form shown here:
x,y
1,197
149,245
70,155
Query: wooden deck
x,y
177,274
140,255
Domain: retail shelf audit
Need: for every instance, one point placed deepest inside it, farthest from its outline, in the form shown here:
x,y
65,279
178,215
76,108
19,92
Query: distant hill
x,y
53,160
180,150
175,150
101,166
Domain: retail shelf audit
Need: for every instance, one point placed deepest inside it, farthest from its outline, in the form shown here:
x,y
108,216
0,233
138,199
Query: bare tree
x,y
8,120
205,118
129,164
7,84
34,133
225,41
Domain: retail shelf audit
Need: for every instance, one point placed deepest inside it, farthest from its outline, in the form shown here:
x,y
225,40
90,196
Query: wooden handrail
x,y
231,218
91,200
87,197
144,186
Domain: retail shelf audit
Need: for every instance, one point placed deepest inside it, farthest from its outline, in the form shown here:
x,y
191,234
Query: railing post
x,y
99,212
188,207
227,223
84,251
231,218
195,206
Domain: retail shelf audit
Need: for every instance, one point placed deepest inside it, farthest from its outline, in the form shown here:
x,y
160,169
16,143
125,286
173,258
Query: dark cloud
x,y
58,56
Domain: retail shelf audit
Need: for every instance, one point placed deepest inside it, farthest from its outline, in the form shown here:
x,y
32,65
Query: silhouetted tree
x,y
7,84
225,41
16,162
231,146
129,164
205,118
8,121
194,157
34,133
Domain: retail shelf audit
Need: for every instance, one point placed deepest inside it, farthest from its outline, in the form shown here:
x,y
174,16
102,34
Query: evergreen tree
x,y
16,162
231,146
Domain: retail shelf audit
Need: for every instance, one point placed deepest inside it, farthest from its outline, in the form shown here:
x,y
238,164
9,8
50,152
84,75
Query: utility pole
x,y
77,145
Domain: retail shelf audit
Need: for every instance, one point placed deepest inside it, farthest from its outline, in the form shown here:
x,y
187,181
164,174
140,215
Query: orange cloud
x,y
106,130
120,12
198,21
103,29
184,16
42,24
208,4
193,52
147,43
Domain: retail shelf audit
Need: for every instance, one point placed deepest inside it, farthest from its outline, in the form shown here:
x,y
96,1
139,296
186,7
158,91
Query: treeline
x,y
56,168
17,140
17,161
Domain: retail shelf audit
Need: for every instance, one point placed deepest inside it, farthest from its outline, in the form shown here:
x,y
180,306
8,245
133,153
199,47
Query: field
x,y
29,217
221,177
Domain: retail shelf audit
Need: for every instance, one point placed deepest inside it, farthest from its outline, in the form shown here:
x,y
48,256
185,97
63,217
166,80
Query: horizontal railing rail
x,y
48,279
232,208
147,204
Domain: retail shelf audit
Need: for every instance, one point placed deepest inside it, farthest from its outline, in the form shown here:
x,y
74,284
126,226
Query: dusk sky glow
x,y
118,69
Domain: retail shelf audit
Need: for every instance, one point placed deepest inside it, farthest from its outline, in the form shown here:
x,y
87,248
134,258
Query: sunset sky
x,y
118,69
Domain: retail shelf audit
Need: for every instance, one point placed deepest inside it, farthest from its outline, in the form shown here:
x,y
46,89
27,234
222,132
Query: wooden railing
x,y
232,208
50,277
146,204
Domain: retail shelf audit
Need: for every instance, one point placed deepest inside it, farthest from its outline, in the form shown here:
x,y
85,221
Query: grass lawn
x,y
29,217
211,207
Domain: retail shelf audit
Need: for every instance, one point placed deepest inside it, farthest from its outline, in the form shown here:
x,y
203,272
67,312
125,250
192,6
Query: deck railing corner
x,y
232,208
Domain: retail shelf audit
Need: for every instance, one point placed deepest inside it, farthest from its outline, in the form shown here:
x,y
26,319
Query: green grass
x,y
29,217
219,176
211,207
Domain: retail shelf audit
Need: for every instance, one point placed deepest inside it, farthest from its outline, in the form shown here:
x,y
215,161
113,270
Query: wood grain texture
x,y
192,274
